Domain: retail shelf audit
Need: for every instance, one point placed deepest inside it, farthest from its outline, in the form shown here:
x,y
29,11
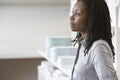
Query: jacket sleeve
x,y
103,63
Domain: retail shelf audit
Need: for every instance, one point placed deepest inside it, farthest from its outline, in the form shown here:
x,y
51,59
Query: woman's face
x,y
79,17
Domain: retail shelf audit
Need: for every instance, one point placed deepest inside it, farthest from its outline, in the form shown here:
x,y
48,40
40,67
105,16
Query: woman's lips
x,y
72,25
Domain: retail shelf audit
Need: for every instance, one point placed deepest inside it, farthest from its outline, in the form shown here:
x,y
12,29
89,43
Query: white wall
x,y
23,28
118,43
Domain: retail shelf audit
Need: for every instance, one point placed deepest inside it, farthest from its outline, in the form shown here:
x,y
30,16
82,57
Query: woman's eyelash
x,y
78,14
72,11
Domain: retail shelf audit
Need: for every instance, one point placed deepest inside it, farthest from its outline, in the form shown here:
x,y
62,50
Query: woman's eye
x,y
72,11
78,14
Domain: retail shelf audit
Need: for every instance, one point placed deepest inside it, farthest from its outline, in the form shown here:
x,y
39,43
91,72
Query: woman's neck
x,y
84,35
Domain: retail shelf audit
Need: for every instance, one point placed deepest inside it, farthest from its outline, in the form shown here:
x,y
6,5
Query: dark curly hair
x,y
99,24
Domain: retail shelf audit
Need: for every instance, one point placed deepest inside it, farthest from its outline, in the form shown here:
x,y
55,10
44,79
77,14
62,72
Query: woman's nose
x,y
72,17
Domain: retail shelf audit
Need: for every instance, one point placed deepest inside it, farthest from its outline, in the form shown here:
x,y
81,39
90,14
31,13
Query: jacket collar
x,y
83,42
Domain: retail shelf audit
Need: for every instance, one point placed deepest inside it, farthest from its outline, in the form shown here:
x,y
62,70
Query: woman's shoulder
x,y
101,46
100,42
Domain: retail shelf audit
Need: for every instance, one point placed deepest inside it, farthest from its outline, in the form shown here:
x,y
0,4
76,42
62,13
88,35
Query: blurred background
x,y
35,39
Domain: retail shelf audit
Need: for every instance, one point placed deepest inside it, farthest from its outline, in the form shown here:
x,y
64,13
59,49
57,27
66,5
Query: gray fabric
x,y
97,64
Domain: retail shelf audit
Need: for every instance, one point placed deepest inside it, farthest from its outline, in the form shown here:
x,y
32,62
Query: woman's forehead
x,y
78,6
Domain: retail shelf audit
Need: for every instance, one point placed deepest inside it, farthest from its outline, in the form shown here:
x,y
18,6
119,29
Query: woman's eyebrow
x,y
76,10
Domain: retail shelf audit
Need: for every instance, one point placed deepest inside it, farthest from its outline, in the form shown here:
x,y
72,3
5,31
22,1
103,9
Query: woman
x,y
94,60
